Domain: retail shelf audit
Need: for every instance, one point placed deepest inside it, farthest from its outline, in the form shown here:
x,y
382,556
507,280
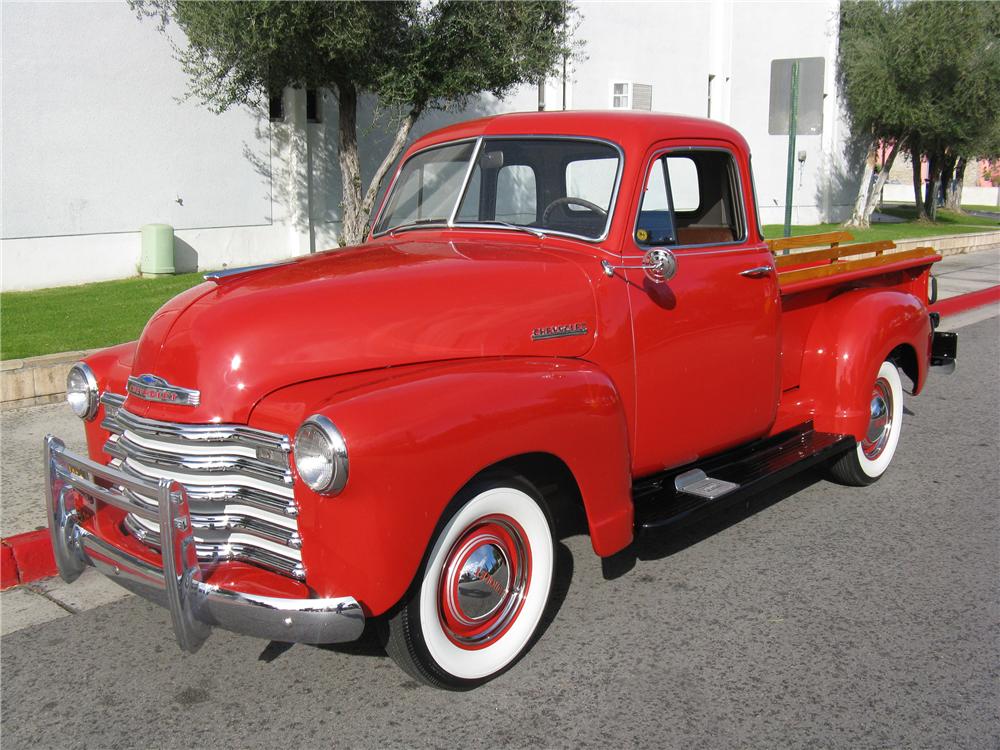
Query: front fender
x,y
849,340
416,435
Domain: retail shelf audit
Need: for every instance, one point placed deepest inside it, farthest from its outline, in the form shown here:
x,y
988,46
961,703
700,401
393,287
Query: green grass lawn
x,y
82,317
948,223
994,209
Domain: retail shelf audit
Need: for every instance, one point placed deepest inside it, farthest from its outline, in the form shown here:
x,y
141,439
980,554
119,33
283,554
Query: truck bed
x,y
839,263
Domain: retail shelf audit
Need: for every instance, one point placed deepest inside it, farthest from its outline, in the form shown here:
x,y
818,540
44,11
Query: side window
x,y
517,194
683,176
691,198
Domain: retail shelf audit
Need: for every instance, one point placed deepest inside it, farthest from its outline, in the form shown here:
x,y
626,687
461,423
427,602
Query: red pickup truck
x,y
555,314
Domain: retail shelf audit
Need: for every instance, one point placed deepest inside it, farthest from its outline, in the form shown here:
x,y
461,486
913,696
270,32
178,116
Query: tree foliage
x,y
412,55
926,74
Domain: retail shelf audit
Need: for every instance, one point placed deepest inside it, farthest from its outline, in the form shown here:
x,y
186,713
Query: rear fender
x,y
851,337
416,435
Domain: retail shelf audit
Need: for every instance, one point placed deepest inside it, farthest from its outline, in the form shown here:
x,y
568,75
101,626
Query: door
x,y
706,340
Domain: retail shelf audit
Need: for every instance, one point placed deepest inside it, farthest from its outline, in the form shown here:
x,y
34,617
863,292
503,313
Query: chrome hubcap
x,y
484,582
879,420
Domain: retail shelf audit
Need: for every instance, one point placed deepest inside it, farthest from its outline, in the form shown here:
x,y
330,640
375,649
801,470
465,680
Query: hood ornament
x,y
149,387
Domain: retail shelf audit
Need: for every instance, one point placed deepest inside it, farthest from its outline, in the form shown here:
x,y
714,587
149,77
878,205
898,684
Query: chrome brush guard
x,y
195,606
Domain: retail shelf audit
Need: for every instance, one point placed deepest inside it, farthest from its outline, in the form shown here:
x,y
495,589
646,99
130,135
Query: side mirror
x,y
660,265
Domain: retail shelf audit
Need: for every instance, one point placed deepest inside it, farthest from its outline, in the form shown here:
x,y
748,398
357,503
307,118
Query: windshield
x,y
562,186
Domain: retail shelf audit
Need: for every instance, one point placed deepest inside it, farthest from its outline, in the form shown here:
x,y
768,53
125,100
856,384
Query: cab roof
x,y
629,129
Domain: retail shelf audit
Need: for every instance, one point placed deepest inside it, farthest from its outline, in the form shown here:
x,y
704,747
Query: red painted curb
x,y
968,301
8,568
26,558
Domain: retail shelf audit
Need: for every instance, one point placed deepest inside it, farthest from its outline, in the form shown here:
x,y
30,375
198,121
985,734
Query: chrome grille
x,y
238,481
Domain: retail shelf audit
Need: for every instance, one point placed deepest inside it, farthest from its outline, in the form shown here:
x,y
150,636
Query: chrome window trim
x,y
737,193
480,141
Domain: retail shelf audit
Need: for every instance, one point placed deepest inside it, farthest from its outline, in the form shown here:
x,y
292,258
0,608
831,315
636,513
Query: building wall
x,y
97,141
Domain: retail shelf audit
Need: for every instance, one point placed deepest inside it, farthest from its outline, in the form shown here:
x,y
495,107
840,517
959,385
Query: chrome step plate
x,y
708,488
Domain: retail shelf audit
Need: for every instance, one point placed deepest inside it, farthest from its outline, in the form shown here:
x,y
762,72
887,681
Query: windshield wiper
x,y
416,224
520,227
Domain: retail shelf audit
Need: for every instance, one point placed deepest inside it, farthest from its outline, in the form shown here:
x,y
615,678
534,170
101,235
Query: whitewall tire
x,y
483,590
873,454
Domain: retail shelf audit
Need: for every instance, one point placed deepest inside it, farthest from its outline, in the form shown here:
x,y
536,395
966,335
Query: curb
x,y
968,301
27,557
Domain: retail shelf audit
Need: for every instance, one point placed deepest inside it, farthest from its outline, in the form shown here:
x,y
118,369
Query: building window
x,y
276,108
312,106
628,95
620,96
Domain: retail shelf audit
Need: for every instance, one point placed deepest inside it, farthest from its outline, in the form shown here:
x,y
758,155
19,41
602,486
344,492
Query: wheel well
x,y
556,483
905,358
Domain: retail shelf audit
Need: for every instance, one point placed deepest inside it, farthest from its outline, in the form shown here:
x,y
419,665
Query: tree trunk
x,y
934,176
947,177
883,175
352,217
356,204
860,217
954,200
918,183
398,144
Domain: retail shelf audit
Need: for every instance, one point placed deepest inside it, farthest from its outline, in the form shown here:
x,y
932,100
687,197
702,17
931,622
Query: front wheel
x,y
482,592
869,460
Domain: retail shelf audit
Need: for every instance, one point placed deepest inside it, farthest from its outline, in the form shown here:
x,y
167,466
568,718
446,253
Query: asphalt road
x,y
823,617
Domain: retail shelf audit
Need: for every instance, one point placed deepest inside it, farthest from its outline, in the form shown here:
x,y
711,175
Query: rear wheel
x,y
869,460
482,592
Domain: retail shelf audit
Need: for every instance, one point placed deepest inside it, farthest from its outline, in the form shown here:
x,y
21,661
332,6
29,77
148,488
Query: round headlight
x,y
81,391
321,455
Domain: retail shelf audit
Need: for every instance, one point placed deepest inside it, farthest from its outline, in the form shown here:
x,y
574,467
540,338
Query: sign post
x,y
793,116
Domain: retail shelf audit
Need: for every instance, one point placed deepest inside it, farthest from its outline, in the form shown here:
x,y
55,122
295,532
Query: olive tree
x,y
412,55
924,76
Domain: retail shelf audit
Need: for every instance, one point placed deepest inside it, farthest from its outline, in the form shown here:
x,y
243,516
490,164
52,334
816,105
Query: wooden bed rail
x,y
809,240
833,253
904,258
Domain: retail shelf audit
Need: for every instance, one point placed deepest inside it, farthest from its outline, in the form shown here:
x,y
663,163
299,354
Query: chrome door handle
x,y
757,272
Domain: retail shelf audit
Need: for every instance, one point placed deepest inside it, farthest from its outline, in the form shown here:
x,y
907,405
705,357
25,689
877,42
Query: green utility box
x,y
157,250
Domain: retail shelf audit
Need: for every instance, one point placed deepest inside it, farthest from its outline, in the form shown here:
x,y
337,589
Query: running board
x,y
688,493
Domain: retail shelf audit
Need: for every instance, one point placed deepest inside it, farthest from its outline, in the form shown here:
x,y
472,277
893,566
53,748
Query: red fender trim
x,y
847,344
416,435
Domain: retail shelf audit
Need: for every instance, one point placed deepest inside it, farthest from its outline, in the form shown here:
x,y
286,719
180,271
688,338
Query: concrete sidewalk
x,y
961,274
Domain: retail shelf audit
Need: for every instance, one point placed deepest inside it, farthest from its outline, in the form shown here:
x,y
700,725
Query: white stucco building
x,y
96,141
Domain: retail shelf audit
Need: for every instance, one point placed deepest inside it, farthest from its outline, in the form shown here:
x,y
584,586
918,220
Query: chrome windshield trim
x,y
465,183
512,136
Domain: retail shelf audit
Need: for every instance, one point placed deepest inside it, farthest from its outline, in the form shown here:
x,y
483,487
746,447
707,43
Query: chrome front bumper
x,y
195,606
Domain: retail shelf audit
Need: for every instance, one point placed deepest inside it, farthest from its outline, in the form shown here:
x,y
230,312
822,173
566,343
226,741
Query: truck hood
x,y
379,305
